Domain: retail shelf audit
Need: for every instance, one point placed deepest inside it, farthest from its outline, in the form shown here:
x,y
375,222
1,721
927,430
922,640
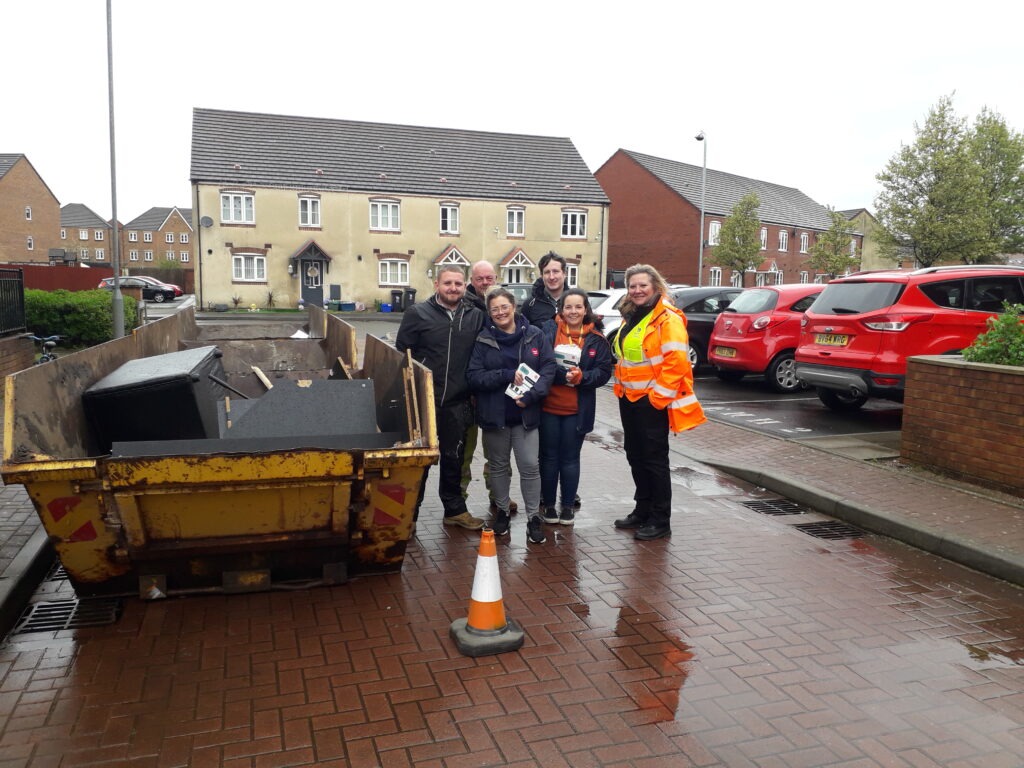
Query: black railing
x,y
12,301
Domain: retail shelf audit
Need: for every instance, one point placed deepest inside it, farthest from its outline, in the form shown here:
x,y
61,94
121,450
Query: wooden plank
x,y
262,377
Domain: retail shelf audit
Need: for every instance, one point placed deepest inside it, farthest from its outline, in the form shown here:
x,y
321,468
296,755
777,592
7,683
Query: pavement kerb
x,y
1008,567
26,571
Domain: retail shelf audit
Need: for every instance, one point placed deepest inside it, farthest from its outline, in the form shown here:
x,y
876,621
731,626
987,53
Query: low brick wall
x,y
16,354
965,420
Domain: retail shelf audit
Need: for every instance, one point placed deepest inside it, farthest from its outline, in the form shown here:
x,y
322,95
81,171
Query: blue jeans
x,y
560,446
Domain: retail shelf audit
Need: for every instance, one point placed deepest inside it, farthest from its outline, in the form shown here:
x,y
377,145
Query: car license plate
x,y
831,339
725,351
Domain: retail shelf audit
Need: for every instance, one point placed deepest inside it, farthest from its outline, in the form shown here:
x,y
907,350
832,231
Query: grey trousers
x,y
500,445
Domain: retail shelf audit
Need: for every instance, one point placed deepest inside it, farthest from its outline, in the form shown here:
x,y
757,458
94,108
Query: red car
x,y
758,333
859,333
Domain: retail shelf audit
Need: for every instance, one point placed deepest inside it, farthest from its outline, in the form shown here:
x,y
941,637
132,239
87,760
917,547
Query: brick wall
x,y
965,420
16,354
21,187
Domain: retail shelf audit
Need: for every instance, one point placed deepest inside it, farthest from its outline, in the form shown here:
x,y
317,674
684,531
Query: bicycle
x,y
46,345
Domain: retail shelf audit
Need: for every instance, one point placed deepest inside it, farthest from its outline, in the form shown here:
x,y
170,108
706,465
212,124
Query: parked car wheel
x,y
730,376
781,373
158,298
697,355
842,402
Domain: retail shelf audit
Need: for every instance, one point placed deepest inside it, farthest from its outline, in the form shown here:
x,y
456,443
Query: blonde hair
x,y
626,306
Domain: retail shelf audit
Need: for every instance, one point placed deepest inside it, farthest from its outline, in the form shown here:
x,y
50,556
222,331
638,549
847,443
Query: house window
x,y
184,256
714,232
147,237
249,268
63,234
516,226
133,237
169,237
393,272
100,254
83,253
804,277
820,278
764,238
783,240
169,255
237,208
133,255
28,214
574,224
97,234
715,276
183,237
30,243
147,256
385,216
83,234
573,278
759,279
853,247
736,279
450,219
804,242
309,212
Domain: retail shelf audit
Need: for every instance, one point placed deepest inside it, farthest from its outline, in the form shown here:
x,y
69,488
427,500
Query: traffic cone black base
x,y
476,642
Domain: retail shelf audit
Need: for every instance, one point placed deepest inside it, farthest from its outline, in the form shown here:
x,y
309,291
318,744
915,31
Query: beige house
x,y
29,213
291,208
159,237
870,255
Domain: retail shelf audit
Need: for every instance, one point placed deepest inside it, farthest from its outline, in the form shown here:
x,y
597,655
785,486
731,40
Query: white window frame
x,y
853,246
255,264
572,277
28,213
83,253
515,222
30,243
97,235
736,279
715,276
63,234
183,238
386,216
393,272
169,256
574,225
820,279
147,256
147,237
184,257
783,240
309,211
133,255
804,278
764,238
760,279
83,234
168,237
805,242
448,223
100,254
714,232
133,237
237,208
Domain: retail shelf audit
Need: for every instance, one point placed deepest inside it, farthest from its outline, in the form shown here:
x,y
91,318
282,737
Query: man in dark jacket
x,y
547,290
440,333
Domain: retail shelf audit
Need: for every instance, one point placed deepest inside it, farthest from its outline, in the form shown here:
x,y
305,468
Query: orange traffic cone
x,y
487,630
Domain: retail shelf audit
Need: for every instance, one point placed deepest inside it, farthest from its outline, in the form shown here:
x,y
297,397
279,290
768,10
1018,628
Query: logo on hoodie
x,y
535,352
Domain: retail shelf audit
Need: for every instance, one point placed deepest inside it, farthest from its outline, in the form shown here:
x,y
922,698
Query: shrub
x,y
1003,342
81,317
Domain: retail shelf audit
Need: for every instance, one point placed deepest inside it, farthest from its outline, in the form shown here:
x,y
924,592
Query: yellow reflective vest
x,y
661,371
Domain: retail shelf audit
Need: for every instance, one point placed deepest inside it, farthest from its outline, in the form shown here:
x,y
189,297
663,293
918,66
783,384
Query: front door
x,y
515,275
312,271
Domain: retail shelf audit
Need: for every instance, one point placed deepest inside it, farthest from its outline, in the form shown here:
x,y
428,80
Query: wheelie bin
x,y
396,300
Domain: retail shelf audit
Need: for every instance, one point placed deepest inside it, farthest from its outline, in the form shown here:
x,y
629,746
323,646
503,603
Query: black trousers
x,y
645,432
453,422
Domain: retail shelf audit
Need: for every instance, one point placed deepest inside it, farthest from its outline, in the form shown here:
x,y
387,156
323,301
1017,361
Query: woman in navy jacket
x,y
568,412
510,423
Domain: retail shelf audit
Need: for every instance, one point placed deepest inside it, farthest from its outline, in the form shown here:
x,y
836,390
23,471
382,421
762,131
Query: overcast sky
x,y
816,96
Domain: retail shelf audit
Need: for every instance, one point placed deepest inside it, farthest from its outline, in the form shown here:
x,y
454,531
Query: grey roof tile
x,y
79,215
7,162
286,152
779,205
154,218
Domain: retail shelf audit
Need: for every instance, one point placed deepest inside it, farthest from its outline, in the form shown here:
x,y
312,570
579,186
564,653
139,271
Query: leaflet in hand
x,y
567,355
530,376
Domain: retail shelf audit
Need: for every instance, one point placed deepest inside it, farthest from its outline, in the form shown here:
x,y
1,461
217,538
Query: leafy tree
x,y
831,253
946,196
739,240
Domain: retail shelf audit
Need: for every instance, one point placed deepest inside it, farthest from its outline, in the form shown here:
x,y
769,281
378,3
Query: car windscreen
x,y
856,298
754,300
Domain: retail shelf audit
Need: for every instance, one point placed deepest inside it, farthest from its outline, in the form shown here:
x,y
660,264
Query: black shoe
x,y
550,516
650,532
535,531
632,520
576,503
501,524
567,516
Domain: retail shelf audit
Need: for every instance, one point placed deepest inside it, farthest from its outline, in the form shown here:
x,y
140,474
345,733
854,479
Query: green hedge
x,y
82,318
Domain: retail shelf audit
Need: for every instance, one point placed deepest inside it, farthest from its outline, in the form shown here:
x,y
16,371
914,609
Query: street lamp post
x,y
703,189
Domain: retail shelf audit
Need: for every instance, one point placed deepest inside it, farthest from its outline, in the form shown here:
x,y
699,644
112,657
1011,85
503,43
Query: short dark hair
x,y
588,311
550,256
450,268
498,292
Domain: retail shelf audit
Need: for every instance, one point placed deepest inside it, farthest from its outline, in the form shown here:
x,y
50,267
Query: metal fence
x,y
12,301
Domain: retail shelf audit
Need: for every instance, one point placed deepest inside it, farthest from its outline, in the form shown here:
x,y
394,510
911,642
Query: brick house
x,y
159,236
29,213
297,207
84,233
655,219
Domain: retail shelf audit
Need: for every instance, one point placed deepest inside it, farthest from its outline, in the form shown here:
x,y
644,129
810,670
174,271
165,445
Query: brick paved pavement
x,y
738,642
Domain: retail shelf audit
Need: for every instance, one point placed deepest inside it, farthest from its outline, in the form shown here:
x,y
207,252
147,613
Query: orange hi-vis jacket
x,y
664,375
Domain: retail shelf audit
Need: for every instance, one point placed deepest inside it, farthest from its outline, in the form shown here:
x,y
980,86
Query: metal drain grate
x,y
832,529
57,572
68,614
774,507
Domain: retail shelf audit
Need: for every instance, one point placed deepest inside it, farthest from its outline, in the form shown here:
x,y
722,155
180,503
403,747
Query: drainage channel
x,y
833,530
63,613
